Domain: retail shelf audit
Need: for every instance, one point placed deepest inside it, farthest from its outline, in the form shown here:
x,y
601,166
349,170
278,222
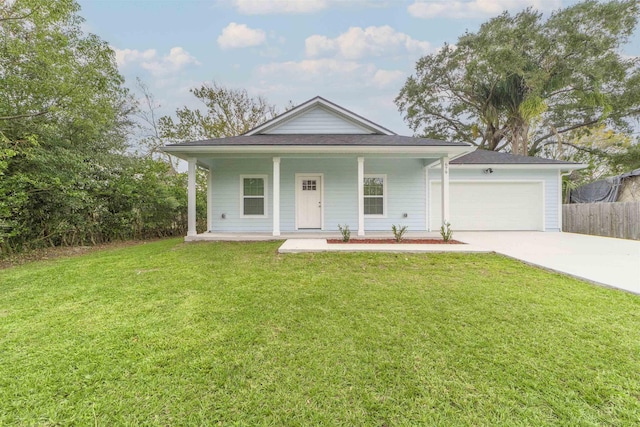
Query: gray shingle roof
x,y
321,140
486,157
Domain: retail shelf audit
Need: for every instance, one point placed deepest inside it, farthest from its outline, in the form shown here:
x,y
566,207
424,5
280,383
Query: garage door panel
x,y
490,205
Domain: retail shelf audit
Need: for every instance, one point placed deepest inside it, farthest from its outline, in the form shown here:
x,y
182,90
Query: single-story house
x,y
319,165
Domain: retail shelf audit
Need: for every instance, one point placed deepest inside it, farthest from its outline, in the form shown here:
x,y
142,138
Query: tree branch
x,y
17,18
24,116
558,92
453,123
580,148
537,142
500,147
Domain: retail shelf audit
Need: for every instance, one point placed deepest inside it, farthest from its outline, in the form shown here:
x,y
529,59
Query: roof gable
x,y
318,120
319,116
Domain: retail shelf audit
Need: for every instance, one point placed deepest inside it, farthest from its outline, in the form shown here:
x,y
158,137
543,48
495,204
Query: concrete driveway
x,y
603,260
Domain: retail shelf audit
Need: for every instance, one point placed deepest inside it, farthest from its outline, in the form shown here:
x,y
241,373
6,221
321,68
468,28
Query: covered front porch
x,y
343,197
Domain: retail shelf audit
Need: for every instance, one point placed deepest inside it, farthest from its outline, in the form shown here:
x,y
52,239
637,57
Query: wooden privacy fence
x,y
619,219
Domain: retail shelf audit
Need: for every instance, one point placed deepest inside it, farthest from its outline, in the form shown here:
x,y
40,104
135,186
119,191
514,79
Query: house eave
x,y
185,152
547,166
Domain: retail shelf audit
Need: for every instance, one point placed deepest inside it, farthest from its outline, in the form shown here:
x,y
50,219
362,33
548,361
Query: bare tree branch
x,y
536,143
17,18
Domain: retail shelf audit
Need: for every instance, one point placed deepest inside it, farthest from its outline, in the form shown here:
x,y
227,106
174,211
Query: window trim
x,y
385,190
265,196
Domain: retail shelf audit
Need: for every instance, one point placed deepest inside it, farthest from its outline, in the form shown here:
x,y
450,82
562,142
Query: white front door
x,y
309,201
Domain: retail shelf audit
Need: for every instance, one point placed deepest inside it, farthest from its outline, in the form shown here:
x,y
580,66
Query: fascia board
x,y
514,166
184,152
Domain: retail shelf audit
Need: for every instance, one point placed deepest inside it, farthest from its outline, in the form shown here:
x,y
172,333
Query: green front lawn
x,y
169,333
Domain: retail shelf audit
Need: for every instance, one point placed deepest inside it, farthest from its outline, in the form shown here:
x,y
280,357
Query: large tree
x,y
229,112
64,120
56,77
524,81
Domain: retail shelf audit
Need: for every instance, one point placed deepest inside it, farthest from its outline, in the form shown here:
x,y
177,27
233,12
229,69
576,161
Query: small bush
x,y
346,233
446,232
398,232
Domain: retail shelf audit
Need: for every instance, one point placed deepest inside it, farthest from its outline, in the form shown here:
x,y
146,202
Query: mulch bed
x,y
392,241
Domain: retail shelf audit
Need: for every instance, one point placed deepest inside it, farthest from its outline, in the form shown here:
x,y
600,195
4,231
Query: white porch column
x,y
444,170
210,200
191,197
276,196
360,196
427,224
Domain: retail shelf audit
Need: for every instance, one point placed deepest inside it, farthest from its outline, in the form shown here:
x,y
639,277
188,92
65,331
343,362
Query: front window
x,y
375,195
253,195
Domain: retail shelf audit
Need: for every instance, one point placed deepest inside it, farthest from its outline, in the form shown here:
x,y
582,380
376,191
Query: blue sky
x,y
356,53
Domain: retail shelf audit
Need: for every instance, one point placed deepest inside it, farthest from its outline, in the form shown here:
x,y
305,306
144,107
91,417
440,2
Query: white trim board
x,y
430,151
515,166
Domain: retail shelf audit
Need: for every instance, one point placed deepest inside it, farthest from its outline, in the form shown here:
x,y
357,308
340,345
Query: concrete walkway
x,y
321,245
602,260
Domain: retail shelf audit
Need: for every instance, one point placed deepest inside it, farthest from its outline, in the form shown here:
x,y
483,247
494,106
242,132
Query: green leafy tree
x,y
522,80
628,160
229,112
54,76
65,177
596,149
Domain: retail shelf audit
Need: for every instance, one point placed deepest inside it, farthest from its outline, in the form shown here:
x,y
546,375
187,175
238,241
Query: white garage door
x,y
490,205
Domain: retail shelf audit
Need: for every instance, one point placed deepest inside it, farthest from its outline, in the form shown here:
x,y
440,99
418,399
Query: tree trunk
x,y
520,138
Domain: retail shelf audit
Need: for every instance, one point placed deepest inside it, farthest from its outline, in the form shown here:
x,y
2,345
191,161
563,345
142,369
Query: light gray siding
x,y
405,192
339,191
405,187
548,177
318,121
227,197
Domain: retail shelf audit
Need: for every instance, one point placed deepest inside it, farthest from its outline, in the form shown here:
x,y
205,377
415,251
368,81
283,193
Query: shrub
x,y
446,232
346,233
398,232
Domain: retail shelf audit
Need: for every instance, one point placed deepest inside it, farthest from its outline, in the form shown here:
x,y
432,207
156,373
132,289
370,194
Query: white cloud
x,y
334,71
264,7
177,59
311,68
359,42
475,8
125,57
239,35
318,45
174,61
383,78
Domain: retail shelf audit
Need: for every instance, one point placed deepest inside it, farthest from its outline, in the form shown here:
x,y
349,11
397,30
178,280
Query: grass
x,y
167,333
